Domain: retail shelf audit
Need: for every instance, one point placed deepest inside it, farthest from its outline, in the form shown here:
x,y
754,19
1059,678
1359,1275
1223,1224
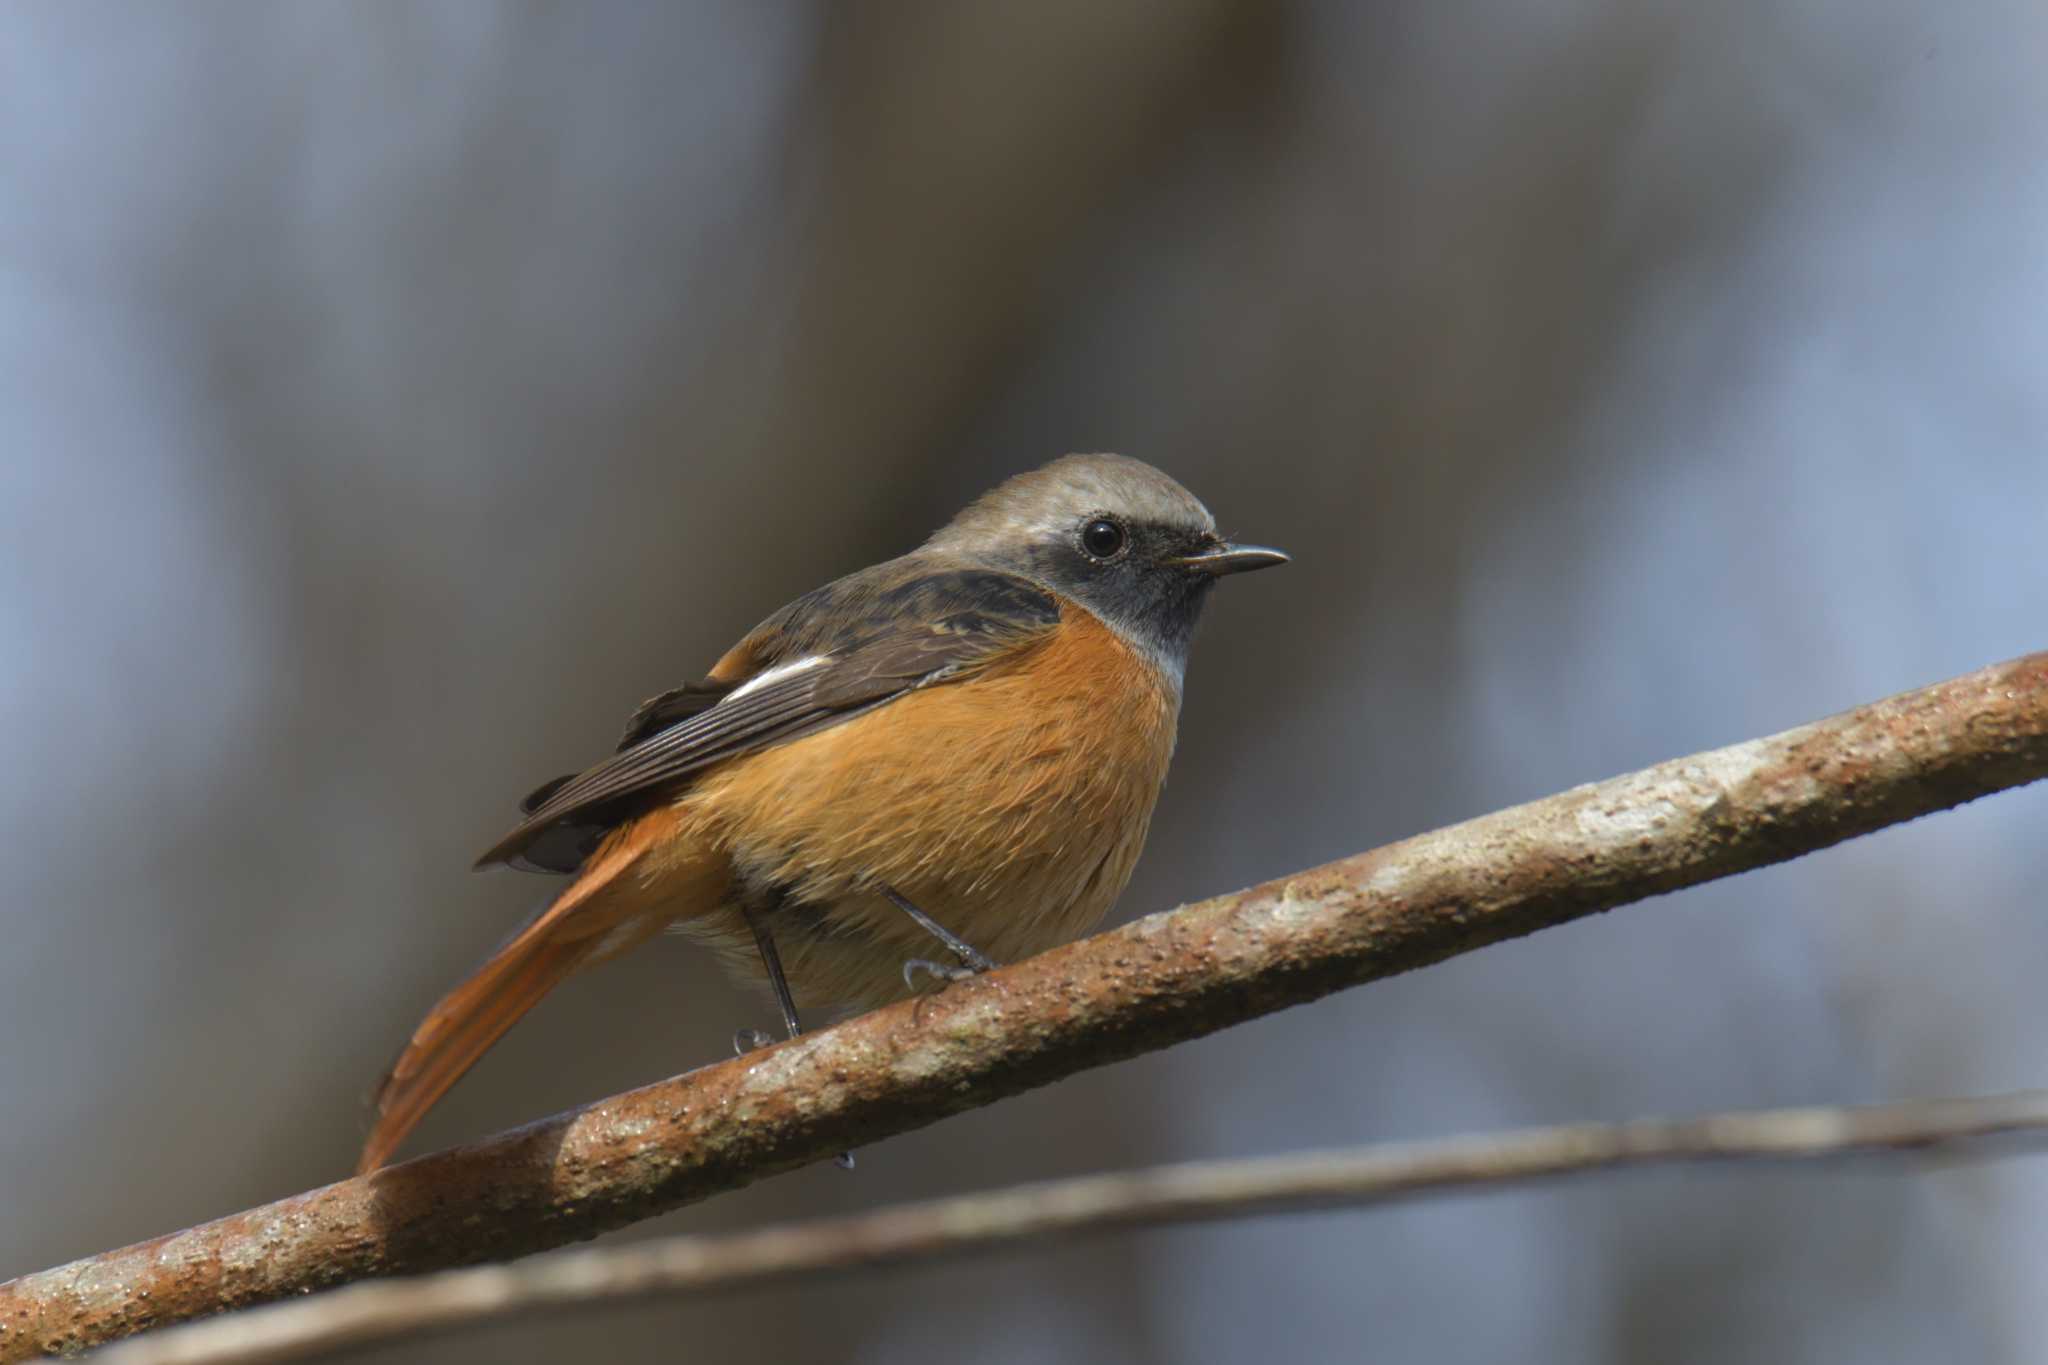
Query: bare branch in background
x,y
1161,980
371,1314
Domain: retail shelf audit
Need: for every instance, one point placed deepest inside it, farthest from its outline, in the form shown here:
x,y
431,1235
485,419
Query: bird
x,y
955,752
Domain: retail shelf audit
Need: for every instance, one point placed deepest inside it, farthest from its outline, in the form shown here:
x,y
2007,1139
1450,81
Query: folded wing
x,y
851,646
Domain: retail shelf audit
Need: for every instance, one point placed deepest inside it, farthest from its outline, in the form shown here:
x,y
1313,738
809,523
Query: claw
x,y
940,970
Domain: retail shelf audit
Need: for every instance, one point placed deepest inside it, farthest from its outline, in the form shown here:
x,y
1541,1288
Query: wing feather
x,y
872,642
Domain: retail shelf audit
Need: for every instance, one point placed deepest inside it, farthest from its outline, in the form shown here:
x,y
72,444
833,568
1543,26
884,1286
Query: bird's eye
x,y
1102,538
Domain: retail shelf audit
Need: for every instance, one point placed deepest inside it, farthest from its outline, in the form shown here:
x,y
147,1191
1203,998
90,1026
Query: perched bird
x,y
955,750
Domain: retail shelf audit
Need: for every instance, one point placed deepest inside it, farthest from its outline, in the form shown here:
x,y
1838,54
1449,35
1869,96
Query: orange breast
x,y
1011,806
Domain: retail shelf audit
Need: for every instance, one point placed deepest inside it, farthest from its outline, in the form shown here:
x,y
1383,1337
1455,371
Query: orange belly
x,y
1010,806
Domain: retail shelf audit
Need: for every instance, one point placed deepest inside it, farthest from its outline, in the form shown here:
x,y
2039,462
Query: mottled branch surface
x,y
1158,981
369,1314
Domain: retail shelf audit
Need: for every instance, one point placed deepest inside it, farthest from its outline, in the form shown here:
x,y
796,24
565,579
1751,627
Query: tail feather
x,y
458,1032
473,1016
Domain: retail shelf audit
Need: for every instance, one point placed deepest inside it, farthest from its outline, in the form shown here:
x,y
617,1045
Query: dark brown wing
x,y
852,645
678,704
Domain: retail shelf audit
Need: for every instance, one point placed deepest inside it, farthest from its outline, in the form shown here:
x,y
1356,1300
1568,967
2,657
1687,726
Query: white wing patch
x,y
775,674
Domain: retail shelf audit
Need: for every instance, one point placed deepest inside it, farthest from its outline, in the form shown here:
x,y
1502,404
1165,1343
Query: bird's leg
x,y
777,981
747,1039
973,961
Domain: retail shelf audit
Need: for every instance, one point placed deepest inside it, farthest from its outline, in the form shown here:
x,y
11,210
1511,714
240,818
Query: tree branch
x,y
370,1314
1160,980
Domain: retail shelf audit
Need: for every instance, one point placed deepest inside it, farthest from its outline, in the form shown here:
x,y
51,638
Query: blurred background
x,y
392,396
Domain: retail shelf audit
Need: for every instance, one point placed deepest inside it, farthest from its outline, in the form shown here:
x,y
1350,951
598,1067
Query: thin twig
x,y
1149,984
368,1314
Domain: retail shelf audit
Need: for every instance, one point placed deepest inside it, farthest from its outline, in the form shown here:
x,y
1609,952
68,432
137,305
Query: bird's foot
x,y
975,960
945,973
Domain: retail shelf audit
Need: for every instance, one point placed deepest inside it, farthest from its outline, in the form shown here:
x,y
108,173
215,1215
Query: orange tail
x,y
462,1027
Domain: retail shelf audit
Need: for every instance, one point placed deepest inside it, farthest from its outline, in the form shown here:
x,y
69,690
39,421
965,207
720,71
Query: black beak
x,y
1232,559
